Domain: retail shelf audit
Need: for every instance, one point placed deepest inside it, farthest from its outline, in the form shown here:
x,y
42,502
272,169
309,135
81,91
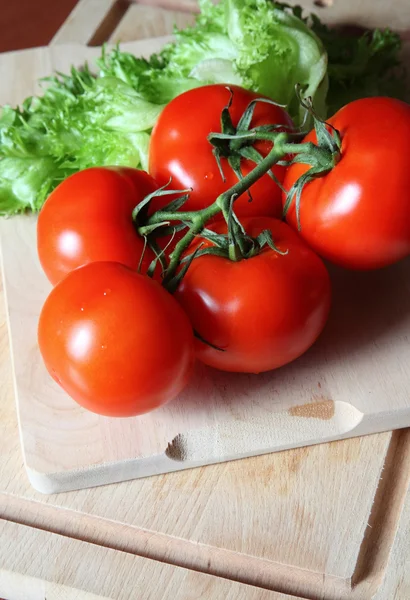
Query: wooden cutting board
x,y
324,521
353,382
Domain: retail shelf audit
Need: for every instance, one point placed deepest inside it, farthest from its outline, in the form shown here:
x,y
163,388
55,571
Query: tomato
x,y
88,218
116,341
261,312
358,215
179,149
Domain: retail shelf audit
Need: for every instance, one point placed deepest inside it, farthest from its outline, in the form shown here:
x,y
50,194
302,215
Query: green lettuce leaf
x,y
26,182
84,120
361,66
252,43
80,121
275,51
361,62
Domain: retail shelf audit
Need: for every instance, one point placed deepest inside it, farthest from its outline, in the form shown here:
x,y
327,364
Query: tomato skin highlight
x,y
264,311
358,215
179,149
88,218
116,341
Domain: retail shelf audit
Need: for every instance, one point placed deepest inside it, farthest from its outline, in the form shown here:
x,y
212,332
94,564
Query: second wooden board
x,y
354,381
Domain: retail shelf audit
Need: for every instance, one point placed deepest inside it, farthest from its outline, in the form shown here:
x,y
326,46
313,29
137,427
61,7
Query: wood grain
x,y
385,515
253,414
144,21
44,564
315,503
334,391
91,22
396,582
264,495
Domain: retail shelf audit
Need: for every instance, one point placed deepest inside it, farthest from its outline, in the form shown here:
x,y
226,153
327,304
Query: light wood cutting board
x,y
353,382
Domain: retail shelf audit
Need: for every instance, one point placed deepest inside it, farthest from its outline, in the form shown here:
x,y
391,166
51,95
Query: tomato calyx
x,y
236,244
322,158
161,228
195,221
237,143
140,212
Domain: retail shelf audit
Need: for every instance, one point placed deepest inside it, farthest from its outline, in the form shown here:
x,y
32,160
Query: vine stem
x,y
321,157
281,148
253,135
288,148
200,218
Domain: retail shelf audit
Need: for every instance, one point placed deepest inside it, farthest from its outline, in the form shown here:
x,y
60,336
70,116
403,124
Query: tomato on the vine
x,y
179,149
358,214
116,341
258,313
88,217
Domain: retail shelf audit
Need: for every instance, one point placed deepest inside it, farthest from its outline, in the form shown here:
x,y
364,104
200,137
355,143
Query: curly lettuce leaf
x,y
26,182
267,47
152,78
361,62
252,43
275,51
83,120
361,66
79,122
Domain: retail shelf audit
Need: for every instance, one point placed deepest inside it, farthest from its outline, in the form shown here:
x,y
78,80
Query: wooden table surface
x,y
328,522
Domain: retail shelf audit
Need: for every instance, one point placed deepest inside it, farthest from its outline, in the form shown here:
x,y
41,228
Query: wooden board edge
x,y
91,22
67,566
215,561
116,472
366,578
196,448
11,354
388,506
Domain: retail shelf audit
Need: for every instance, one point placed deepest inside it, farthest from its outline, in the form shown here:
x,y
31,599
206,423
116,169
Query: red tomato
x,y
116,341
88,218
263,312
179,149
358,215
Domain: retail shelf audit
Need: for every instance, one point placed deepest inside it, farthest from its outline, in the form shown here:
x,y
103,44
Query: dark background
x,y
28,23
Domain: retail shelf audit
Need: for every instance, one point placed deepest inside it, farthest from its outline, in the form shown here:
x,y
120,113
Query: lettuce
x,y
84,120
253,43
361,66
81,121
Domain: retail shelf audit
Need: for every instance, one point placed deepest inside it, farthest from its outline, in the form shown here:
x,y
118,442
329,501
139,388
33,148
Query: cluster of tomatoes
x,y
120,344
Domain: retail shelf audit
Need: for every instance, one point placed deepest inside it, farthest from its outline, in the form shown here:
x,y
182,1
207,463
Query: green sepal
x,y
218,239
173,283
178,203
265,239
246,117
217,156
250,153
226,121
162,191
159,257
209,251
296,192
